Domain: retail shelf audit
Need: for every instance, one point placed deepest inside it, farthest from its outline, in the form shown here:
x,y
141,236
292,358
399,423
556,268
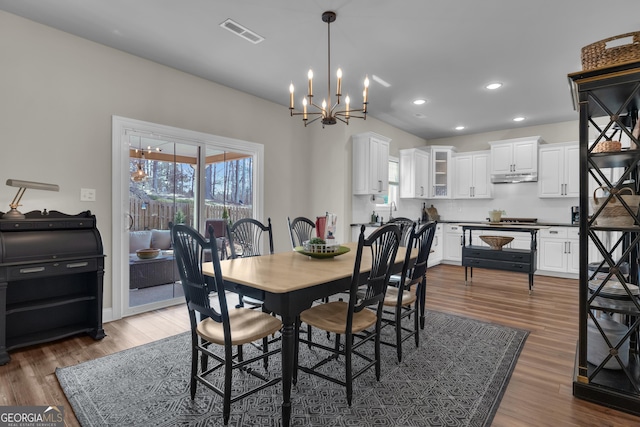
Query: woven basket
x,y
496,242
320,248
597,55
614,214
607,146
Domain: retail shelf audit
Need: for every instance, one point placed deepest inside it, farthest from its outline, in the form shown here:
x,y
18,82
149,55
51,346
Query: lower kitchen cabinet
x,y
437,247
452,243
559,250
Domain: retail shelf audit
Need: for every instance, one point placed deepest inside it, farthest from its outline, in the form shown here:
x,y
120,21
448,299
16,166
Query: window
x,y
394,184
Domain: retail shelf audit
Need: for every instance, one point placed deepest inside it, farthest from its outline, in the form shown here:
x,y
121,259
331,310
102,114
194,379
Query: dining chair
x,y
406,231
300,230
407,294
246,237
220,234
356,317
221,326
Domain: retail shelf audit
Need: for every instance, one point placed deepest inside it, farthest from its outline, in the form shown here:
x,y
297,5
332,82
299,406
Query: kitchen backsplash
x,y
517,200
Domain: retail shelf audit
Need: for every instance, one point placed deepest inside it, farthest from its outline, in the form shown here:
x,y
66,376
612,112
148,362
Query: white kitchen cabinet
x,y
452,243
414,173
472,179
559,250
515,156
559,173
435,257
370,164
441,172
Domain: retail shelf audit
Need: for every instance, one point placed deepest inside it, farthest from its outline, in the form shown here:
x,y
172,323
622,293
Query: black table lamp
x,y
23,185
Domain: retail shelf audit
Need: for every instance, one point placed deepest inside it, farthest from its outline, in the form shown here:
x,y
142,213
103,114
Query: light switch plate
x,y
87,194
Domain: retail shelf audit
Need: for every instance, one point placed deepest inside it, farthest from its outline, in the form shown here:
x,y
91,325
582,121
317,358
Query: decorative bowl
x,y
148,253
340,250
496,242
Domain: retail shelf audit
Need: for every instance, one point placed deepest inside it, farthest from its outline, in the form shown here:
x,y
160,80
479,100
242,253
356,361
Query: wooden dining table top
x,y
290,271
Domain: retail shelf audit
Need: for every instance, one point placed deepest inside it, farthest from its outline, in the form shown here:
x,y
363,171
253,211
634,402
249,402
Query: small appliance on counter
x,y
575,215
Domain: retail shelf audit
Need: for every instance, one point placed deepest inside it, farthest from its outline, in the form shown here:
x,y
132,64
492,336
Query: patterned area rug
x,y
456,378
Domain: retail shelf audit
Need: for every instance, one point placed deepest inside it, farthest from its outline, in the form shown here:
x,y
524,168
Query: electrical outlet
x,y
87,194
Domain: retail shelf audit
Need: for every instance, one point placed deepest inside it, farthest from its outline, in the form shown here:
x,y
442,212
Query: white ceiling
x,y
443,51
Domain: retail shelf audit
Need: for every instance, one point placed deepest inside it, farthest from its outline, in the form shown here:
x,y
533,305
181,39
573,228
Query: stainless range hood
x,y
510,178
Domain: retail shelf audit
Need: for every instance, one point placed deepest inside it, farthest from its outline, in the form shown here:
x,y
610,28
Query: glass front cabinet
x,y
607,367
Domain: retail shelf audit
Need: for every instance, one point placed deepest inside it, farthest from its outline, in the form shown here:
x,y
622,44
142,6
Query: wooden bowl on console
x,y
496,242
149,253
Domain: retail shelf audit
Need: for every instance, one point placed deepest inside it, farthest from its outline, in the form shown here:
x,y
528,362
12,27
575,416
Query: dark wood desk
x,y
289,283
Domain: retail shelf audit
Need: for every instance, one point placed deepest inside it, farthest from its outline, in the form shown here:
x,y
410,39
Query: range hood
x,y
510,178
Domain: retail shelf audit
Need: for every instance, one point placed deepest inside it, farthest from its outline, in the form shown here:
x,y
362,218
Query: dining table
x,y
288,283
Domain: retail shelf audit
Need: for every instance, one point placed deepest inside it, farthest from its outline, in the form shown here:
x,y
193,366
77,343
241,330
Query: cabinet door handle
x,y
422,190
461,240
31,270
77,264
379,186
553,232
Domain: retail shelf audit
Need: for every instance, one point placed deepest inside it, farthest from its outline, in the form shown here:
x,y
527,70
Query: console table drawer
x,y
510,255
497,265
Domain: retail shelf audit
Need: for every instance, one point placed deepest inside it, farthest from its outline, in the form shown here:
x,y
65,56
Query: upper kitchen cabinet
x,y
414,173
471,178
441,173
559,174
370,163
515,160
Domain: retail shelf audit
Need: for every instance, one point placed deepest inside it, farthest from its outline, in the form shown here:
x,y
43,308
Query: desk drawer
x,y
48,269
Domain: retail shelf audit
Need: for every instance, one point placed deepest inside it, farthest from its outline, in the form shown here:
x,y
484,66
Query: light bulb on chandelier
x,y
329,113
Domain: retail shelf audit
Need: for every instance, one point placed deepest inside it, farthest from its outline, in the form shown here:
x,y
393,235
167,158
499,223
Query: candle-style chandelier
x,y
329,113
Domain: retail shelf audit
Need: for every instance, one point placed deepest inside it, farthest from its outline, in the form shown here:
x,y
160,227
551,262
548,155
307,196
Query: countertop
x,y
543,224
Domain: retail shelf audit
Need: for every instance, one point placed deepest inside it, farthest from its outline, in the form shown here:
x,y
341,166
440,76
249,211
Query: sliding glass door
x,y
171,175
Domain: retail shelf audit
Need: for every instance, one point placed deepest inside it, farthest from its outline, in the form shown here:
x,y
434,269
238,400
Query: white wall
x,y
59,93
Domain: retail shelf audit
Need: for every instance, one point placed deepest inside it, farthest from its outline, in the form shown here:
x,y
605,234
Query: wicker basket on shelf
x,y
607,147
598,55
614,214
496,242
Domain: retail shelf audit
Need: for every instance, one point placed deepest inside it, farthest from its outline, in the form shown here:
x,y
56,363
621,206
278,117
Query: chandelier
x,y
327,112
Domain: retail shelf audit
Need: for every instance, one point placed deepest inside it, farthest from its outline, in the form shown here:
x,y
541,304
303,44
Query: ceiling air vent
x,y
241,31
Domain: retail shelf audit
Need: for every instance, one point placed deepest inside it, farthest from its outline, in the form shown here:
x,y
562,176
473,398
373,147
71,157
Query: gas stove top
x,y
505,220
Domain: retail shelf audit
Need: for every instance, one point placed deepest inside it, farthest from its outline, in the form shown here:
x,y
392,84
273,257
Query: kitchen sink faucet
x,y
392,207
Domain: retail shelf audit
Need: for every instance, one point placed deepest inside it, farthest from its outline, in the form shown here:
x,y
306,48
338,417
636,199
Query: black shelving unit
x,y
607,101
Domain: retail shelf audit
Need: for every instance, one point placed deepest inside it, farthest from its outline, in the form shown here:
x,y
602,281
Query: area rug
x,y
455,378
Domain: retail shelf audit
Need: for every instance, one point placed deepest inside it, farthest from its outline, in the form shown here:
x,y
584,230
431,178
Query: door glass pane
x,y
228,192
162,189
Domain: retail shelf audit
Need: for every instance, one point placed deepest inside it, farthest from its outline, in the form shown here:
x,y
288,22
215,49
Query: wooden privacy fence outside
x,y
154,214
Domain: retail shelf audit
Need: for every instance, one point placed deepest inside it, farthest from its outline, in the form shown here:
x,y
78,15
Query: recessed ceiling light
x,y
420,101
380,81
459,127
518,119
493,86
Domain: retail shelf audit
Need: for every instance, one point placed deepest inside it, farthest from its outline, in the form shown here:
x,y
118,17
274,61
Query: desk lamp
x,y
23,185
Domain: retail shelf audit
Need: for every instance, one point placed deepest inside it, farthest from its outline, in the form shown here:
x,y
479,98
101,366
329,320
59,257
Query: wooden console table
x,y
507,259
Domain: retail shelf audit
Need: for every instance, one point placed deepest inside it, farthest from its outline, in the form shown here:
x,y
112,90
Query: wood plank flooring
x,y
539,392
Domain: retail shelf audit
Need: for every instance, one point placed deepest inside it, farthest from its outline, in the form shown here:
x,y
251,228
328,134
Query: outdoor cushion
x,y
139,240
161,239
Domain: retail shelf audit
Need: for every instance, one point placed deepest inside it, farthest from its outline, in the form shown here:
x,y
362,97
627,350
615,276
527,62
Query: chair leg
x,y
399,332
265,349
194,371
377,352
422,288
415,328
228,366
348,343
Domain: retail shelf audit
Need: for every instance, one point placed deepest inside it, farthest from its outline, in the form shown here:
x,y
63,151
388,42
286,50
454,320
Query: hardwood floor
x,y
539,392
